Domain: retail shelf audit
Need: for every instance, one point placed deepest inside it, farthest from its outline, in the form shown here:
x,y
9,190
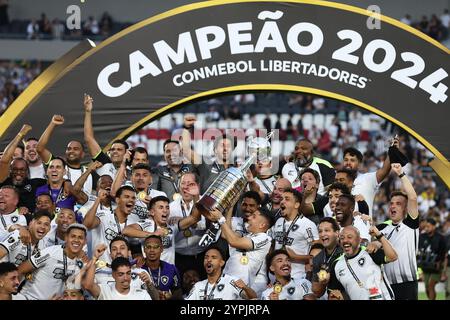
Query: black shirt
x,y
27,191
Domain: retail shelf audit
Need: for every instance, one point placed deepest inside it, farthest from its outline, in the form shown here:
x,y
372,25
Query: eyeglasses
x,y
149,246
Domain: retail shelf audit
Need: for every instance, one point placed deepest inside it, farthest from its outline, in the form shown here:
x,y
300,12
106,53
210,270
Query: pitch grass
x,y
439,296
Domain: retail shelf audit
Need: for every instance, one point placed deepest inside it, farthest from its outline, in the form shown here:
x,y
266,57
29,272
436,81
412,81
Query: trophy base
x,y
205,205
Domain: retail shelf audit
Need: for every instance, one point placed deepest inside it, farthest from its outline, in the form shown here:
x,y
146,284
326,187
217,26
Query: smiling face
x,y
249,206
160,212
56,171
303,153
281,266
277,193
213,262
19,172
350,162
141,179
75,241
343,210
172,154
44,202
397,208
126,201
65,218
8,200
224,150
40,227
327,235
31,154
74,153
350,241
9,282
117,152
289,205
333,197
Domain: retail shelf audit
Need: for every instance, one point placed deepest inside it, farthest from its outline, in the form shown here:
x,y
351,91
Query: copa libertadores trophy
x,y
223,194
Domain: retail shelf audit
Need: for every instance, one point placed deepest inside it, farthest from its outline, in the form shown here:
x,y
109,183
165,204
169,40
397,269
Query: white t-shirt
x,y
366,185
49,275
294,290
225,289
187,245
298,238
362,227
168,254
37,172
107,230
109,292
17,252
368,272
266,185
7,220
104,276
255,257
73,174
107,169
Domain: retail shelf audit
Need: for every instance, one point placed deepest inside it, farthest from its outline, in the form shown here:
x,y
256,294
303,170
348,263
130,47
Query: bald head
x,y
350,240
280,185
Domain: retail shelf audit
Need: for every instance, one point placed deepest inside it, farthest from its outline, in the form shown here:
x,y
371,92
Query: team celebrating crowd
x,y
118,229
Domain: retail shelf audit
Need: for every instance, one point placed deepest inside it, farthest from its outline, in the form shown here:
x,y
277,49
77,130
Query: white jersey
x,y
297,237
404,238
73,174
187,245
368,271
168,241
366,185
140,210
51,239
107,230
107,169
266,185
255,258
104,276
225,289
109,292
17,252
37,172
51,271
238,225
7,220
294,290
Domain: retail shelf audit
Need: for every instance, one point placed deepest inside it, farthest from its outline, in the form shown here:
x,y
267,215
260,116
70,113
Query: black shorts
x,y
406,290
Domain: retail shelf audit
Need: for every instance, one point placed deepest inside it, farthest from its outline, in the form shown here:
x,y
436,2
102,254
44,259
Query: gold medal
x,y
142,195
166,232
176,196
187,233
323,274
277,288
244,260
29,276
100,264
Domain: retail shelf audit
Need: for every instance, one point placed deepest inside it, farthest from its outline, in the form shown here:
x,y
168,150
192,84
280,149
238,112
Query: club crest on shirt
x,y
291,290
294,227
11,239
28,187
361,261
80,264
133,276
341,273
165,280
14,219
220,287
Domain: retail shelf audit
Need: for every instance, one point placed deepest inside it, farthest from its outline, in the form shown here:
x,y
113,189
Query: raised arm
x,y
228,234
44,153
8,153
78,186
88,282
135,231
121,174
191,155
79,195
252,184
412,207
91,220
309,195
92,144
384,171
389,251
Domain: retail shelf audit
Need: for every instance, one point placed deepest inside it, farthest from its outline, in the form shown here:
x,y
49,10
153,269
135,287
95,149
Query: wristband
x,y
401,175
222,220
379,236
